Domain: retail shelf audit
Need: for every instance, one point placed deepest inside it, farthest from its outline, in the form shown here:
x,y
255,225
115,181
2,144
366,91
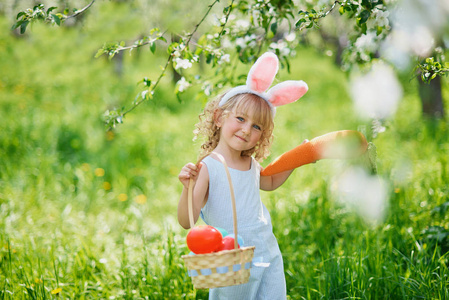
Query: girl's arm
x,y
200,177
272,182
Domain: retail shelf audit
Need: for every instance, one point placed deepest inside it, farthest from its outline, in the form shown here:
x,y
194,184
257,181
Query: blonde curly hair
x,y
247,103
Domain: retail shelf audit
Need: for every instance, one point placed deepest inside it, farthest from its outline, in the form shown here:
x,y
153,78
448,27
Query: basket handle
x,y
231,187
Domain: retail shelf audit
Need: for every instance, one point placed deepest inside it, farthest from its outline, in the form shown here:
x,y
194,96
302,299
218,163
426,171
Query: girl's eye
x,y
257,127
240,119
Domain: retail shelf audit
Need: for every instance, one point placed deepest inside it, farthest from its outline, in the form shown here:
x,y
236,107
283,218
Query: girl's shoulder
x,y
256,164
208,160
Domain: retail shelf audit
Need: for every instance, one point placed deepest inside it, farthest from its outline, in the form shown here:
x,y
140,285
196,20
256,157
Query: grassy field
x,y
90,214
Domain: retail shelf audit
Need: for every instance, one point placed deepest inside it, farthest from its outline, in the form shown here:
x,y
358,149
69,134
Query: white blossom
x,y
240,42
290,37
183,84
365,193
226,43
271,11
224,59
377,93
242,25
247,41
182,63
282,46
416,23
378,18
366,42
207,89
377,127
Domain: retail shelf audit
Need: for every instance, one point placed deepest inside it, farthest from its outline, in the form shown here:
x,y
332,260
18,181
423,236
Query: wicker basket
x,y
224,268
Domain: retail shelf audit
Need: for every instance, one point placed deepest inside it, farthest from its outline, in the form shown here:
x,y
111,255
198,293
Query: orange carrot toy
x,y
338,145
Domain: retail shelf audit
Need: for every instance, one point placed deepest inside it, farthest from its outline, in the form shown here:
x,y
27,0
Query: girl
x,y
239,126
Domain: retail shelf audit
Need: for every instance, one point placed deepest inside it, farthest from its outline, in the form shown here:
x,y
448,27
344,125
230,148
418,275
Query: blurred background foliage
x,y
93,212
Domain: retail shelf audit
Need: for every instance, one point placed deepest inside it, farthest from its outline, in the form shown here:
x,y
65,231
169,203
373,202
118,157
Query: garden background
x,y
90,213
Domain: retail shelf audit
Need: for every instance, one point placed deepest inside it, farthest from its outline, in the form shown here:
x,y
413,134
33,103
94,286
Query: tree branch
x,y
313,17
226,20
153,87
79,12
169,59
198,25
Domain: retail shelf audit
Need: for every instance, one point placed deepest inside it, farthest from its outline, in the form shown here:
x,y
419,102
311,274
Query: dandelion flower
x,y
122,197
140,199
99,172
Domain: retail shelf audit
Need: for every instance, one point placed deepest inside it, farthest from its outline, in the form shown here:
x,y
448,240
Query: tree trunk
x,y
431,98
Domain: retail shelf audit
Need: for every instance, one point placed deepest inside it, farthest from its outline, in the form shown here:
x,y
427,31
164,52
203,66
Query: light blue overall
x,y
267,280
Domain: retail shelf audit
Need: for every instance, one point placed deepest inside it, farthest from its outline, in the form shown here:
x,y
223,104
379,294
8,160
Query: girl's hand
x,y
190,170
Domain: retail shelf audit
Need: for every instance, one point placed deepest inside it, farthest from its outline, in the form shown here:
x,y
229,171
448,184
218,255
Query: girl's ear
x,y
287,92
218,117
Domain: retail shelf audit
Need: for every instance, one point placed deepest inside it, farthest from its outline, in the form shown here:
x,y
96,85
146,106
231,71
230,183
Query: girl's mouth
x,y
239,137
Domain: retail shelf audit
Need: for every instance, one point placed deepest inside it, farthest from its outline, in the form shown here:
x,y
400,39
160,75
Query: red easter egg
x,y
227,244
203,239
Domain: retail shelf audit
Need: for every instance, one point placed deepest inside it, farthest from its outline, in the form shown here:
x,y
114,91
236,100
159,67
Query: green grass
x,y
94,213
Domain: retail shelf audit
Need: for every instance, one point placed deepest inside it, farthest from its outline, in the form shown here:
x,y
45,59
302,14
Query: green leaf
x,y
287,63
38,7
153,47
364,28
23,27
100,52
178,97
299,22
51,9
22,13
147,81
209,58
379,30
56,19
274,27
153,30
364,15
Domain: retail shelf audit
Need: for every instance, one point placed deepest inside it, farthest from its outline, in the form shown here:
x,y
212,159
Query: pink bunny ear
x,y
262,73
287,92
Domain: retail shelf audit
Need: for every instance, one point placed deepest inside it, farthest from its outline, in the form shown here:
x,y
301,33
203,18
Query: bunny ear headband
x,y
260,78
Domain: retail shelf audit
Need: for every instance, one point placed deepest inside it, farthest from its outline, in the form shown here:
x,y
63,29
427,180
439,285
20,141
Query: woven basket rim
x,y
220,253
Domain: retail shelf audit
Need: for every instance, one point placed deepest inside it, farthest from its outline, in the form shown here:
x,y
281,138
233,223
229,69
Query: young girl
x,y
239,126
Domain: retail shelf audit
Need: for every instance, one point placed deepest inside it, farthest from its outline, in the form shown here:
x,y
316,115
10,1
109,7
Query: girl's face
x,y
240,131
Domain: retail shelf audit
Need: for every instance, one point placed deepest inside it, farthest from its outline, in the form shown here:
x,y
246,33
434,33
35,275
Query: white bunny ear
x,y
287,92
262,73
